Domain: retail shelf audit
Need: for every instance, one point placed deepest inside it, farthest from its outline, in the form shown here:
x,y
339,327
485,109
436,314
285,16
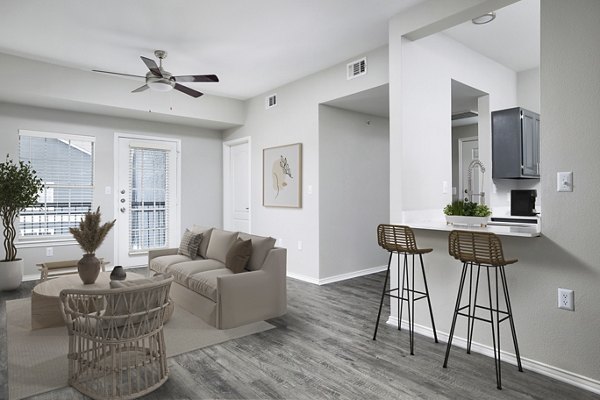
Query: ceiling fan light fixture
x,y
485,18
160,84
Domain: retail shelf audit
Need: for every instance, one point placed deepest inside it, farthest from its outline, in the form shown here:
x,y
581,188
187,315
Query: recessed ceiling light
x,y
484,19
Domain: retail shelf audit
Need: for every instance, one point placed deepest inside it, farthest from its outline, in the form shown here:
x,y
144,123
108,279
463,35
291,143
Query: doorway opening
x,y
465,142
237,185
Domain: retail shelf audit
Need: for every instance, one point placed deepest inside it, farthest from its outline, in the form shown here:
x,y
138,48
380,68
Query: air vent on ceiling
x,y
271,101
464,114
356,68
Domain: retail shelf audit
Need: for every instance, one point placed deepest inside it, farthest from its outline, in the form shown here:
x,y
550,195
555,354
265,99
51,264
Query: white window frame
x,y
55,240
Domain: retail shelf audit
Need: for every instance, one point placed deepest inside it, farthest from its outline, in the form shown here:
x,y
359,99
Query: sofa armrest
x,y
161,252
255,295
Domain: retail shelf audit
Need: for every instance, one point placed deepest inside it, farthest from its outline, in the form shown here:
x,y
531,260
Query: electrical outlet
x,y
300,245
566,299
49,251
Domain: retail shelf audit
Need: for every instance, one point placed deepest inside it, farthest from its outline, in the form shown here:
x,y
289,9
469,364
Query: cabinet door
x,y
529,144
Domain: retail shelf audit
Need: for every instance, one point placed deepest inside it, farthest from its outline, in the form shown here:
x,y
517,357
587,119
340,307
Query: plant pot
x,y
88,268
465,220
11,274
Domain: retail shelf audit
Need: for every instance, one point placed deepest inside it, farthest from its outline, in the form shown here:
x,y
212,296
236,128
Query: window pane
x,y
66,168
148,186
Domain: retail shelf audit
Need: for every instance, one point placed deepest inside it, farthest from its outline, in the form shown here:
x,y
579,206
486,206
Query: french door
x,y
147,203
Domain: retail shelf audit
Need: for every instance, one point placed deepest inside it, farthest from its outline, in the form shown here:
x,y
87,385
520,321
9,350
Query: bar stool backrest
x,y
477,247
398,238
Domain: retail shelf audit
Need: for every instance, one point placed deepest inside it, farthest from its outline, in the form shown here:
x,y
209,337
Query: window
x,y
65,163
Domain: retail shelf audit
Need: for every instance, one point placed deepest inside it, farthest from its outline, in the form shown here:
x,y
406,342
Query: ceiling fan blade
x,y
196,78
141,89
118,73
187,90
151,64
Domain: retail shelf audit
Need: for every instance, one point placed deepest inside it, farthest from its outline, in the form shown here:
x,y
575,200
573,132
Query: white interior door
x,y
237,186
468,151
147,215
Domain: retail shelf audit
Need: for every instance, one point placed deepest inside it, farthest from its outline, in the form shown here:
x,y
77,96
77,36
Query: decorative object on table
x,y
90,236
282,176
19,189
467,213
118,274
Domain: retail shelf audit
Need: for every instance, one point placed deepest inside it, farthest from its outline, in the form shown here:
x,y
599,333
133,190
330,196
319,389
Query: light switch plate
x,y
564,181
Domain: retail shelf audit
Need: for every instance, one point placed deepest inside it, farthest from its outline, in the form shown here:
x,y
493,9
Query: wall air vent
x,y
356,68
464,114
271,101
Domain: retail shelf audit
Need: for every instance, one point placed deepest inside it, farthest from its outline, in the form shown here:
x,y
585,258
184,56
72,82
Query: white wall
x,y
201,159
296,119
566,255
528,89
354,194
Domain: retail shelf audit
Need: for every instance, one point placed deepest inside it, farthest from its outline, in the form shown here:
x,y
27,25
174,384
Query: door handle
x,y
123,209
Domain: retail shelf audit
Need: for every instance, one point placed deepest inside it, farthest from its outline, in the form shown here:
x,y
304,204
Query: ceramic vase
x,y
118,273
88,268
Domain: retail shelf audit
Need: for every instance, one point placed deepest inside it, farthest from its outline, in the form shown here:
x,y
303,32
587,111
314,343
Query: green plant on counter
x,y
467,208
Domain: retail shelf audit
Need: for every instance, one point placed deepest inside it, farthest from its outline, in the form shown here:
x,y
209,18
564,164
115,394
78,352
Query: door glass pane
x,y
148,171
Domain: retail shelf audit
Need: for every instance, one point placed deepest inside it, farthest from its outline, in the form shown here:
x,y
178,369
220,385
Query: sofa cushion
x,y
189,244
238,255
205,283
182,271
162,263
220,242
260,247
205,238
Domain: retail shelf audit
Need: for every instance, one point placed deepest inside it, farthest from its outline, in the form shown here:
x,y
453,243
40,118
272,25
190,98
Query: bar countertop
x,y
520,230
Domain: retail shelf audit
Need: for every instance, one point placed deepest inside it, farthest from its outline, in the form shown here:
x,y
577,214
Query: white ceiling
x,y
373,101
512,39
253,46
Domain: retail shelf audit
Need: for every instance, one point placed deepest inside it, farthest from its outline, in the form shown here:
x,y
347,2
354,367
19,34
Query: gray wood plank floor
x,y
322,349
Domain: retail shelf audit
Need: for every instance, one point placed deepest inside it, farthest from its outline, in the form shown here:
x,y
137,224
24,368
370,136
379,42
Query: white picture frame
x,y
282,176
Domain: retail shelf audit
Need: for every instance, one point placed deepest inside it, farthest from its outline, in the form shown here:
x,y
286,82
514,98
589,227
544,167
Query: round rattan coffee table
x,y
45,311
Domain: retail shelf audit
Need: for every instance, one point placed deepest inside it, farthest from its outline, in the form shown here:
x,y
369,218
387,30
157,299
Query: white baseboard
x,y
303,278
31,277
350,275
337,278
560,374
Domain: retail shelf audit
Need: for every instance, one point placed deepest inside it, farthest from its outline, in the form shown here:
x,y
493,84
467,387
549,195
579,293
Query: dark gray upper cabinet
x,y
515,144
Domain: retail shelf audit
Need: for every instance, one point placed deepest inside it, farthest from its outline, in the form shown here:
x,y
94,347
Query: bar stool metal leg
x,y
510,317
428,299
456,308
387,275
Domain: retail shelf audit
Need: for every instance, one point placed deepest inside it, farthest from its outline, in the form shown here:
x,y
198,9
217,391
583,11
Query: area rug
x,y
37,360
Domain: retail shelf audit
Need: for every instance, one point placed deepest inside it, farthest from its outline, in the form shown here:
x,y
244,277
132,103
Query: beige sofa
x,y
204,286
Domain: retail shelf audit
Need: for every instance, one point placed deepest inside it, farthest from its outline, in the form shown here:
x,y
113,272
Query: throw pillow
x,y
202,249
238,255
260,248
220,242
189,244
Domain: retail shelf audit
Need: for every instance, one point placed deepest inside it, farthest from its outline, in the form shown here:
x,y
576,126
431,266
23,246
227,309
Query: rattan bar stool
x,y
400,239
482,250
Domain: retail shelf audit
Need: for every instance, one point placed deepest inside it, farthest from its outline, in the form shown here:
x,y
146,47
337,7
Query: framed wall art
x,y
282,176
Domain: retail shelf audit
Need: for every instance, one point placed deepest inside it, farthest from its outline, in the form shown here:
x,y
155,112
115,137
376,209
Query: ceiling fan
x,y
163,81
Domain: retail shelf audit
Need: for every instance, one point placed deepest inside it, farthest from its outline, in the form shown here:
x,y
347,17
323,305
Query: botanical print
x,y
281,168
282,172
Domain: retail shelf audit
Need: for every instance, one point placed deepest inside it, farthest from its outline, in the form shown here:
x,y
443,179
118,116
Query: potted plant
x,y
467,212
90,236
19,189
